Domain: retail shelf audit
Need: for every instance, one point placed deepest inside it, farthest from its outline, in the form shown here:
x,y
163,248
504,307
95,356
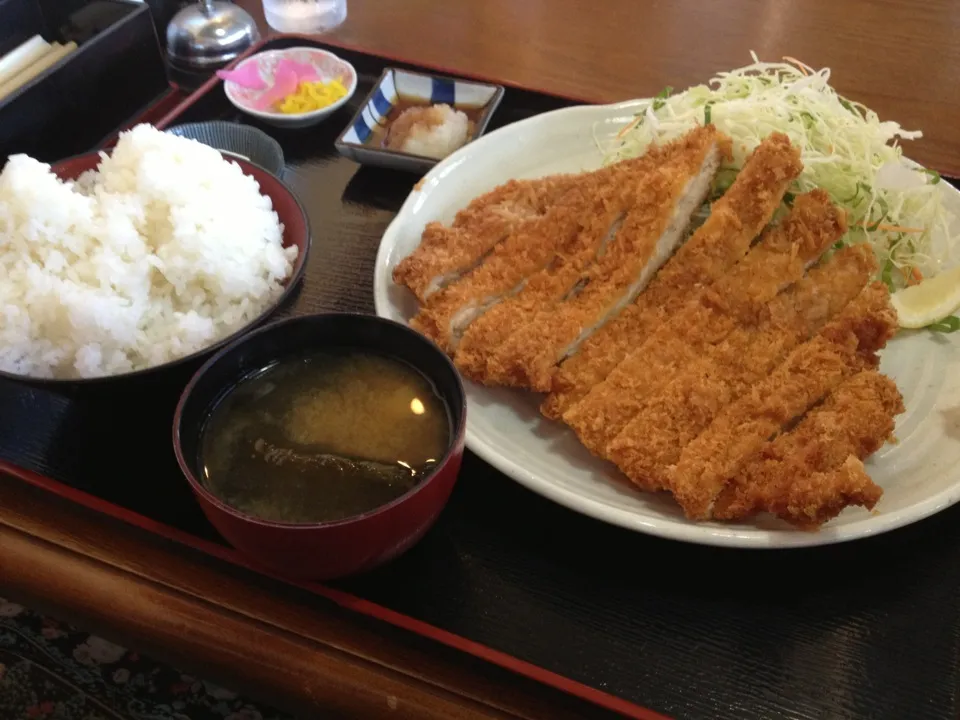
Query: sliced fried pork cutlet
x,y
814,499
546,288
654,225
676,414
535,246
735,220
845,346
448,311
446,253
805,476
738,298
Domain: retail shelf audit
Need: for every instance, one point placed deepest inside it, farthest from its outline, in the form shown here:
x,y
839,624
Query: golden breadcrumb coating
x,y
527,358
530,248
734,221
611,200
846,345
811,500
653,441
777,261
804,475
445,253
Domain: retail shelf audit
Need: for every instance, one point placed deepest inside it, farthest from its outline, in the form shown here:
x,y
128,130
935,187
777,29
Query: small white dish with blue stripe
x,y
362,140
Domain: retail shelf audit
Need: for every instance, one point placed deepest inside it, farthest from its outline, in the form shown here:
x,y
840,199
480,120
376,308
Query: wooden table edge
x,y
271,641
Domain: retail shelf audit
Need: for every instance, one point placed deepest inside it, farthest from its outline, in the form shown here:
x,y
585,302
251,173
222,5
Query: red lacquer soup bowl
x,y
320,551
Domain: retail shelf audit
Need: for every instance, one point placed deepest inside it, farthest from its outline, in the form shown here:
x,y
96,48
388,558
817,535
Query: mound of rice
x,y
162,251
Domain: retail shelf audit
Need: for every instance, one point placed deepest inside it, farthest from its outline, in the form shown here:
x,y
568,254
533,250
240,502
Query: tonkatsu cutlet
x,y
672,417
738,298
653,226
735,220
552,284
735,369
811,500
846,345
446,253
448,312
805,476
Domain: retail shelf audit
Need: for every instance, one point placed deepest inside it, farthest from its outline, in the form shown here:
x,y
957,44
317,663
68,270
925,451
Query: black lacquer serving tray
x,y
869,629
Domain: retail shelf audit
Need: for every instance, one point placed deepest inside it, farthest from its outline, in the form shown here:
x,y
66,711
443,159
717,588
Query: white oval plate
x,y
920,475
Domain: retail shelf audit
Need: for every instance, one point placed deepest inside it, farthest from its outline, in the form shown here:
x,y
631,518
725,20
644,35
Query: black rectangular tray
x,y
864,630
116,71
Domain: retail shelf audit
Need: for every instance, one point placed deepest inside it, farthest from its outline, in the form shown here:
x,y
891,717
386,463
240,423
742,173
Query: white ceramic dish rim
x,y
293,117
741,536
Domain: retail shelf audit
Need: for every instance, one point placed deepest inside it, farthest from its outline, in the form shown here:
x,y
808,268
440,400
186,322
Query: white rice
x,y
162,251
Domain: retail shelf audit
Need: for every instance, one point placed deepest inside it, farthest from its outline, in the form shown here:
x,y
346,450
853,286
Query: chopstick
x,y
54,53
22,57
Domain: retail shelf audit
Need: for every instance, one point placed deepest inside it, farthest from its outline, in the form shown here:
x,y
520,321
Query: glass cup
x,y
304,16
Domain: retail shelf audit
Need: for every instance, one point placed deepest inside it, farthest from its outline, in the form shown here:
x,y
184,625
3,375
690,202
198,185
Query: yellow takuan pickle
x,y
312,96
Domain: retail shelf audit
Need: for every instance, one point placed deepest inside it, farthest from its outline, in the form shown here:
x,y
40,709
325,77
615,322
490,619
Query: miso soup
x,y
323,437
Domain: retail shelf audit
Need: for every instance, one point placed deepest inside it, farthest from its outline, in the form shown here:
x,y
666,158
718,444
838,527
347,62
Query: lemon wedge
x,y
929,301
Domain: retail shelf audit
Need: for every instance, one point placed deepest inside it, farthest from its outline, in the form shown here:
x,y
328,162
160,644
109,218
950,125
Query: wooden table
x,y
901,59
279,644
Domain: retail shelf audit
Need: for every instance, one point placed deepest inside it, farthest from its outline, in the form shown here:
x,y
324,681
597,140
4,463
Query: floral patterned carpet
x,y
52,671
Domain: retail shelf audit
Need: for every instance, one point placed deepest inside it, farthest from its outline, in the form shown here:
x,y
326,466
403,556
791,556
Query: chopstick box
x,y
71,105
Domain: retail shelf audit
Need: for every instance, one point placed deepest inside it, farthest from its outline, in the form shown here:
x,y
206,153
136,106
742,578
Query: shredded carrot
x,y
796,62
636,121
914,277
891,228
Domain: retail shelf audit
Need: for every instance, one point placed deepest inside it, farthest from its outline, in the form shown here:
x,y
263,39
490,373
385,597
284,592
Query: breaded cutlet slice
x,y
846,345
654,225
811,500
805,476
735,220
653,441
776,262
446,253
448,312
548,286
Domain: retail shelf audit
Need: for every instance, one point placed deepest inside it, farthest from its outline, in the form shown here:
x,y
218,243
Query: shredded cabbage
x,y
891,203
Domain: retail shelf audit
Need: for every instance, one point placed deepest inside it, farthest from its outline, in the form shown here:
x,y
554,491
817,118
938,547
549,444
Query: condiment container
x,y
206,36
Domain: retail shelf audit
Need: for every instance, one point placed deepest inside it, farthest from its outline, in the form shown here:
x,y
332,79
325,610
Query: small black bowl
x,y
234,139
